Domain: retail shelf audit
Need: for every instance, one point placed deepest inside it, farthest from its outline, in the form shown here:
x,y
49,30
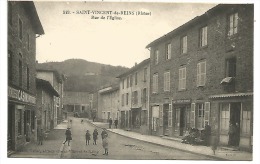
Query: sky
x,y
114,42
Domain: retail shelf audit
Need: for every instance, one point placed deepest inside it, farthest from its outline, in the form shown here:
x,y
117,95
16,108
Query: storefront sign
x,y
21,95
182,101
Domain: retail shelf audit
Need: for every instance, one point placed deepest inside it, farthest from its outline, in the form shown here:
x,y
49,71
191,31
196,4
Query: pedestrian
x,y
81,120
95,136
93,118
68,136
110,122
232,133
103,133
40,136
105,144
116,123
237,135
87,135
207,134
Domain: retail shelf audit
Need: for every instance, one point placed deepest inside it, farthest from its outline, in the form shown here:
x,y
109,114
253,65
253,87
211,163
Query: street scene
x,y
124,81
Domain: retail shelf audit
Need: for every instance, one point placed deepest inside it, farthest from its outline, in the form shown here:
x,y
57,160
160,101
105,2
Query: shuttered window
x,y
155,83
170,116
233,24
207,113
201,73
182,78
167,81
192,115
161,115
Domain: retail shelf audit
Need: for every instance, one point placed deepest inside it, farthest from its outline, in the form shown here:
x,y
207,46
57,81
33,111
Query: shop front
x,y
235,114
21,118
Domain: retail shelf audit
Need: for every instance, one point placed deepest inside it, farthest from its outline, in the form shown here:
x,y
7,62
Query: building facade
x,y
202,72
108,103
23,28
134,98
45,101
57,81
77,103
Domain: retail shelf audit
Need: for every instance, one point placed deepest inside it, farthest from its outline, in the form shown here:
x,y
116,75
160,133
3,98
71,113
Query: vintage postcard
x,y
125,80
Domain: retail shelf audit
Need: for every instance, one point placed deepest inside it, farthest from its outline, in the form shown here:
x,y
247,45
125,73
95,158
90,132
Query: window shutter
x,y
161,115
170,116
180,77
198,74
192,116
207,112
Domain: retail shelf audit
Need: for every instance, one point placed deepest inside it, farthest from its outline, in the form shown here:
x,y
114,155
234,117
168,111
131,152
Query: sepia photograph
x,y
121,80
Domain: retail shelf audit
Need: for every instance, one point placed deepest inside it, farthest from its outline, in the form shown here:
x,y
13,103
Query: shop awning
x,y
226,80
232,95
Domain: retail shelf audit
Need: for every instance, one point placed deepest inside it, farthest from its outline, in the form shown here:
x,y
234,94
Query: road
x,y
120,147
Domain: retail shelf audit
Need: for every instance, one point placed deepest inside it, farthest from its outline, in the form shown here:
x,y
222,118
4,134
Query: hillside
x,y
82,75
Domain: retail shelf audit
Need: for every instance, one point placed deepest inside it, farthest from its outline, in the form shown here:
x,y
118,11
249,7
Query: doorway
x,y
235,112
10,137
182,120
165,119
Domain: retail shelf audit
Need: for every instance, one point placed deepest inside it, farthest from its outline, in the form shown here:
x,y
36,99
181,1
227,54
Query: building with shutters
x,y
202,72
134,98
24,27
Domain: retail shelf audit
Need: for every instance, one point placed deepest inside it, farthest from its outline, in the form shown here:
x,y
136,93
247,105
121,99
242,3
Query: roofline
x,y
57,74
134,68
32,12
47,84
195,20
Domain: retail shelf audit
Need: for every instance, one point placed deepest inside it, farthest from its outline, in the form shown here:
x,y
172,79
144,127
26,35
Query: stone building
x,y
134,98
57,82
202,72
108,103
24,27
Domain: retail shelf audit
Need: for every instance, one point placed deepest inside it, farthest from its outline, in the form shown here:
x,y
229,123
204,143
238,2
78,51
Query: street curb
x,y
217,158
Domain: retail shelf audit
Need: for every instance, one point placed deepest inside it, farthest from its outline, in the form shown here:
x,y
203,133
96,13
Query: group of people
x,y
110,122
104,136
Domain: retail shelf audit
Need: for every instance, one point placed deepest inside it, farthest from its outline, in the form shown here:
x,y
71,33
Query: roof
x,y
32,13
59,76
109,89
232,95
198,19
46,85
134,68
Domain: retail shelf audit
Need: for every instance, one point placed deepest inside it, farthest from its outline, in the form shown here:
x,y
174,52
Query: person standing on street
x,y
237,134
68,136
40,136
105,144
95,135
232,133
103,133
110,122
87,135
116,123
207,134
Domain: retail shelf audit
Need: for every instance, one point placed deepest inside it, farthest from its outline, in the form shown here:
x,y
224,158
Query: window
x,y
144,98
200,119
127,96
28,77
168,51
182,78
19,122
201,73
122,100
10,13
184,45
231,67
203,36
233,24
155,83
145,74
123,84
20,29
225,115
135,98
136,78
127,82
156,57
10,65
20,73
167,81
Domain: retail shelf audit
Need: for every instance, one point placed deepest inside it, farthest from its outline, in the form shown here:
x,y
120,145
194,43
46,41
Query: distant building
x,y
23,28
45,112
57,81
134,98
77,103
202,72
108,103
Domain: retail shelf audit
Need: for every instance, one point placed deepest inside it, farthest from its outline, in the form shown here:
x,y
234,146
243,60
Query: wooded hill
x,y
82,75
